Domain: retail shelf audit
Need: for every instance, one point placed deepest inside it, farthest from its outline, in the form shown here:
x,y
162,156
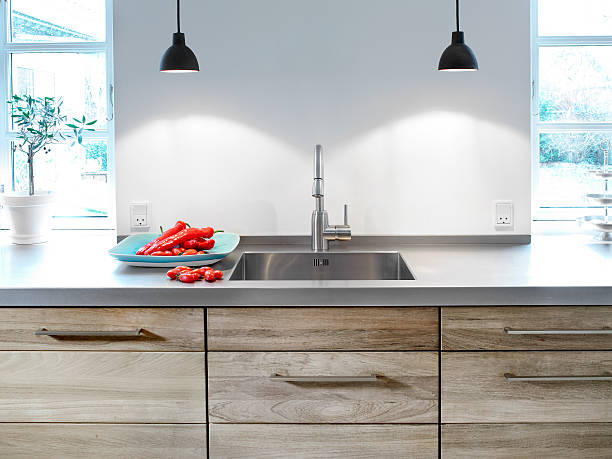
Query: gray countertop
x,y
74,269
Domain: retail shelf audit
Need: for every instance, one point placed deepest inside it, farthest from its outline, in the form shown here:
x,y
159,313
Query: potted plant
x,y
39,121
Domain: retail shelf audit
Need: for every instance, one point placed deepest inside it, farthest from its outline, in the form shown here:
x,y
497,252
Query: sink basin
x,y
321,266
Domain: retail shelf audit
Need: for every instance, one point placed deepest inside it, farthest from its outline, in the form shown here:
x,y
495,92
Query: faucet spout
x,y
321,231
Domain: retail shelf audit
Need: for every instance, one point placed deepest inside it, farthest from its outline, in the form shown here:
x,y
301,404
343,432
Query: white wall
x,y
412,150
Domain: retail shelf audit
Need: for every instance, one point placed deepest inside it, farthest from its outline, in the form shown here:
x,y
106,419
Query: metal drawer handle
x,y
86,334
513,378
602,331
339,379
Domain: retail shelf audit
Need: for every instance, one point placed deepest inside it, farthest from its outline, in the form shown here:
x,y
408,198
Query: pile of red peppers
x,y
180,240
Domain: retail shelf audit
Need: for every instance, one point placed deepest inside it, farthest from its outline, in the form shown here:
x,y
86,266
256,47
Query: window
x,y
62,49
572,103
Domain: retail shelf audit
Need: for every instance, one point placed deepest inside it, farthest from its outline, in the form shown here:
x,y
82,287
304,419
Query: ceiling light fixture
x,y
458,57
179,58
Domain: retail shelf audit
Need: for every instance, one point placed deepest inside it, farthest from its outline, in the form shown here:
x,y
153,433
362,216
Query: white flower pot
x,y
29,216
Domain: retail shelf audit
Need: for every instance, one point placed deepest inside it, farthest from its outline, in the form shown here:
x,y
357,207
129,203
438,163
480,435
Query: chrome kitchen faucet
x,y
322,231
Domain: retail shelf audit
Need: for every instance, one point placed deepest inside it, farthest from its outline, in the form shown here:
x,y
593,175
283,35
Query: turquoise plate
x,y
125,251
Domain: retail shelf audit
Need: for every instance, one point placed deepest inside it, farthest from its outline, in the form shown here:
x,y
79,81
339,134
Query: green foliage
x,y
40,121
575,148
97,151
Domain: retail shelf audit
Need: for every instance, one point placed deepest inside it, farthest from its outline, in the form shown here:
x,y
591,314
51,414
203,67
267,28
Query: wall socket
x,y
140,215
504,215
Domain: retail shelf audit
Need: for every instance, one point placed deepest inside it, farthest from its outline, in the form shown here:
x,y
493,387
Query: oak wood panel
x,y
229,441
482,328
505,441
474,389
164,329
351,328
163,387
102,441
241,391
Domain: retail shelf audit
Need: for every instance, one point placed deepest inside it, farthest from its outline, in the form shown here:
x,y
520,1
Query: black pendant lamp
x,y
179,58
458,57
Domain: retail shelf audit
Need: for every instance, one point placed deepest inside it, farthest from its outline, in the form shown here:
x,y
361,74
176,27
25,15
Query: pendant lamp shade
x,y
179,58
458,57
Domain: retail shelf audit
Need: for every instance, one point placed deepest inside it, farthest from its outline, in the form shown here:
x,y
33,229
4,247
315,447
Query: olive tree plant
x,y
40,123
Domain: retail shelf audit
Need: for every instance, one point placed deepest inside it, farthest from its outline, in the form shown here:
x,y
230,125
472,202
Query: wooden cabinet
x,y
319,329
511,441
354,382
88,386
264,441
527,328
102,441
243,387
161,329
102,383
498,387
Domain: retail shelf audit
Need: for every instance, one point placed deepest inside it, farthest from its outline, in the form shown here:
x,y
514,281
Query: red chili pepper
x,y
161,253
191,244
179,226
190,252
208,232
206,244
174,272
188,278
209,276
177,239
177,251
203,270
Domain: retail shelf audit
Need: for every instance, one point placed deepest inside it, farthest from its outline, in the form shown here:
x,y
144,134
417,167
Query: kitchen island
x,y
493,351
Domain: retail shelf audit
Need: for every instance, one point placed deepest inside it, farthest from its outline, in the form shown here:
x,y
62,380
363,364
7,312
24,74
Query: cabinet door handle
x,y
602,331
513,378
328,379
88,334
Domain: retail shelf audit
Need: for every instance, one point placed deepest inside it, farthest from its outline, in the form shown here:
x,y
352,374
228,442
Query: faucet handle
x,y
346,215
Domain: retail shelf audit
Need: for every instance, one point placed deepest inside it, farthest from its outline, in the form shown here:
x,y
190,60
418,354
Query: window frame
x,y
107,134
545,127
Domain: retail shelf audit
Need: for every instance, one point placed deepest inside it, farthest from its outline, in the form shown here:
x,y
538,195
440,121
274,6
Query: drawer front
x,y
527,328
102,441
322,441
553,441
475,388
135,387
242,389
312,329
163,329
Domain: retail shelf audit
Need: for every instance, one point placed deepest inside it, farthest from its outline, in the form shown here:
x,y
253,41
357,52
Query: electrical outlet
x,y
140,215
504,215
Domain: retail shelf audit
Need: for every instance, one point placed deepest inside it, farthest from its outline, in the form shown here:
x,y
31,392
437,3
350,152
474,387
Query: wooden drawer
x,y
312,329
322,441
527,328
66,386
163,329
102,441
474,388
540,441
241,389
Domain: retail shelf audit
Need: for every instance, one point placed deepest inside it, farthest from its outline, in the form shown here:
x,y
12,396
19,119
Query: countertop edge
x,y
332,297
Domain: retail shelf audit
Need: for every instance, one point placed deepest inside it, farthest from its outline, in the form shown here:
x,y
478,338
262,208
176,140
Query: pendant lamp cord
x,y
178,15
457,13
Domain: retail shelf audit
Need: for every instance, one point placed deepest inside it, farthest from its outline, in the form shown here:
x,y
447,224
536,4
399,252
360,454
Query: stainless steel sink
x,y
321,266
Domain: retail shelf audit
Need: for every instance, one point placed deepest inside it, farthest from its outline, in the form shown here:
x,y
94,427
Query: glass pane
x,y
574,17
565,162
78,78
78,174
58,20
576,83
